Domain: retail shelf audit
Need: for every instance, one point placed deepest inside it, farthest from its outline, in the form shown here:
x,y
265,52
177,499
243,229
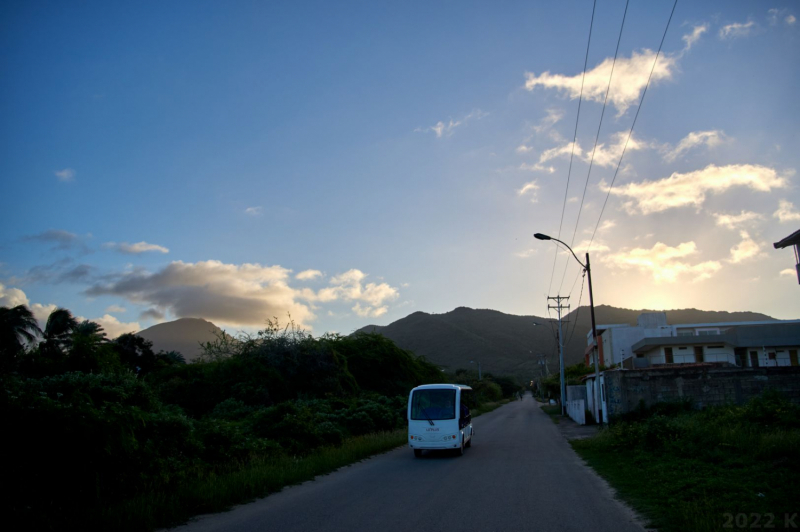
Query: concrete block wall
x,y
704,385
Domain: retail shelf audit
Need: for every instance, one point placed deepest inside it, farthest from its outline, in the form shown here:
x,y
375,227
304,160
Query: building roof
x,y
642,346
791,240
764,335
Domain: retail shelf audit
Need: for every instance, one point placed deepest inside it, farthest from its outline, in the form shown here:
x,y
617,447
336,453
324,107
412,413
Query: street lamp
x,y
480,377
587,268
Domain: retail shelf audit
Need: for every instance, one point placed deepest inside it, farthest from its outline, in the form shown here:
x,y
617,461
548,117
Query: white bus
x,y
439,417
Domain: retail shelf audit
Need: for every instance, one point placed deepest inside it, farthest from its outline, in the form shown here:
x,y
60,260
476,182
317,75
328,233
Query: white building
x,y
653,342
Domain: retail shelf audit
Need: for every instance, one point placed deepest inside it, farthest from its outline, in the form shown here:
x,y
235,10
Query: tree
x,y
18,327
57,336
90,350
135,352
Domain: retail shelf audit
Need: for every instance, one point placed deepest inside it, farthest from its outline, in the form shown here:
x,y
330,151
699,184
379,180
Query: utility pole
x,y
559,307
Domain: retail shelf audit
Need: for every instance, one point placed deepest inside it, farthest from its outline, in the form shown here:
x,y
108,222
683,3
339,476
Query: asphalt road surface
x,y
519,474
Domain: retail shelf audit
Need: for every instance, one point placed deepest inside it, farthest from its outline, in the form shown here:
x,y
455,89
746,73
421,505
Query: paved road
x,y
519,474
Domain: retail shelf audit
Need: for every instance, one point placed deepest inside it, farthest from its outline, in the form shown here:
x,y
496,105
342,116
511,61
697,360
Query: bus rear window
x,y
433,404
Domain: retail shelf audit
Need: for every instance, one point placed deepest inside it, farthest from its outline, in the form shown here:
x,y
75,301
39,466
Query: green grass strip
x,y
218,492
685,486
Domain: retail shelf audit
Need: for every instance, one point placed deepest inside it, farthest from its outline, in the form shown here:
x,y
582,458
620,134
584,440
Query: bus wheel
x,y
417,453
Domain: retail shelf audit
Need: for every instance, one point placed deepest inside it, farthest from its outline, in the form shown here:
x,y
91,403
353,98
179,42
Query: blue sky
x,y
351,163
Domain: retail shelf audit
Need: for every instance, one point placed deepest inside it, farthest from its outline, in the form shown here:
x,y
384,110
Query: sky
x,y
349,163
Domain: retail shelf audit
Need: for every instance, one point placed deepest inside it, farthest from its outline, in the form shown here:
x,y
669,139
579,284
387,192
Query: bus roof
x,y
443,386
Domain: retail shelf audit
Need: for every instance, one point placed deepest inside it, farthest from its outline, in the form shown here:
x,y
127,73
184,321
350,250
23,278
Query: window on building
x,y
771,355
698,353
793,357
668,355
754,359
685,332
707,332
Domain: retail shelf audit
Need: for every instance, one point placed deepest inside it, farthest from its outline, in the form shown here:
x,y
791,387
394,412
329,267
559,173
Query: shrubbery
x,y
685,468
93,422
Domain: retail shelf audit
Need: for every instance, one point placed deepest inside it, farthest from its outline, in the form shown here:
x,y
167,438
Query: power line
x,y
634,122
574,138
596,138
578,310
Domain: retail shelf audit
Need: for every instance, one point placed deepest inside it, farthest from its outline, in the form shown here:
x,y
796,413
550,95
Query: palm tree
x,y
88,348
58,331
89,332
17,328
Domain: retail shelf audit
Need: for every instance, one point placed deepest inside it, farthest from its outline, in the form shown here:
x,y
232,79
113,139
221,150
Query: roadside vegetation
x,y
722,467
114,436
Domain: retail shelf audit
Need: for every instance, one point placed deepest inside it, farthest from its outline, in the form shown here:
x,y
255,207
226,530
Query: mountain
x,y
183,335
506,344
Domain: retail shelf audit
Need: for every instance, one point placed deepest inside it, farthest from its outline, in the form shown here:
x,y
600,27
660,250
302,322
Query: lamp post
x,y
587,268
480,377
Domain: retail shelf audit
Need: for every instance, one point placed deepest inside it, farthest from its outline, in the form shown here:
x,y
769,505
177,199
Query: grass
x,y
218,492
488,407
243,483
700,470
554,411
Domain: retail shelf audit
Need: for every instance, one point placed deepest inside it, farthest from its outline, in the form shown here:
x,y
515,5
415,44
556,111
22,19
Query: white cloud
x,y
732,221
237,295
665,263
369,312
254,211
710,139
746,249
552,117
737,29
307,275
526,253
523,149
691,38
786,212
442,129
680,190
537,168
774,16
135,249
630,78
113,327
532,188
12,297
560,151
584,246
789,272
66,175
42,312
606,225
116,308
604,155
349,286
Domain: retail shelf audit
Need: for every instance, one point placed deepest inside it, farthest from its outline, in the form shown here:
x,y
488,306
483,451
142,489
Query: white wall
x,y
686,355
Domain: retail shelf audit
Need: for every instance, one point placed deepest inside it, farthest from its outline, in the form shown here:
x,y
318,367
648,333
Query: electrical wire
x,y
574,139
596,138
639,108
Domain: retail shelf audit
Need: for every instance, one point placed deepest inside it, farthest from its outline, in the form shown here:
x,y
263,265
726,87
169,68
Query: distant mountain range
x,y
504,344
184,335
